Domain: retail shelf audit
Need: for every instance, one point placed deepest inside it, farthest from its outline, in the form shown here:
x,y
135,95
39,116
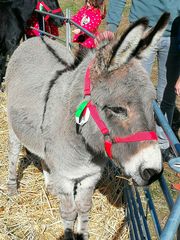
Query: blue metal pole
x,y
165,125
172,223
153,212
175,164
143,215
174,144
136,212
166,192
131,231
131,213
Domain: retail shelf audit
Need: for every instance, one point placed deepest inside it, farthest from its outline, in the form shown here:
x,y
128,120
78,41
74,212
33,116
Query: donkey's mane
x,y
50,49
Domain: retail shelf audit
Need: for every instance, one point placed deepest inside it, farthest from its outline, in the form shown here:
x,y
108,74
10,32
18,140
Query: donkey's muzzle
x,y
150,175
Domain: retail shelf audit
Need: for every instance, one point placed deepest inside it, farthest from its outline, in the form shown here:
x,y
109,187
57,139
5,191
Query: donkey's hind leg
x,y
14,149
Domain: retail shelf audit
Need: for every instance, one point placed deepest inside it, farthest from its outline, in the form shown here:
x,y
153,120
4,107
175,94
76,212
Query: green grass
x,y
72,5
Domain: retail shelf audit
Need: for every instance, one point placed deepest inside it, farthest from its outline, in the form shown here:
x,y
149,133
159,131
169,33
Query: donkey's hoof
x,y
2,87
69,235
12,190
82,236
50,189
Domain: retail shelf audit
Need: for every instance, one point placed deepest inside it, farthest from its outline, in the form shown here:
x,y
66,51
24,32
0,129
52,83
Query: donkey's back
x,y
39,59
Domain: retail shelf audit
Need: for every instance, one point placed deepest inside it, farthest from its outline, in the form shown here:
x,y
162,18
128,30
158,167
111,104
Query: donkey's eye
x,y
118,110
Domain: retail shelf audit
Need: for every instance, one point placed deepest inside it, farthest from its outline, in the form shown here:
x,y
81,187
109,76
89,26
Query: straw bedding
x,y
34,214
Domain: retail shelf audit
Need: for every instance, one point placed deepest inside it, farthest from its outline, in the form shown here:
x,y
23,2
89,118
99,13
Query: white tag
x,y
84,119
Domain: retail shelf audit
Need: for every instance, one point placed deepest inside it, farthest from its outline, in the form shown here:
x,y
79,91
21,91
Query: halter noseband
x,y
108,141
47,9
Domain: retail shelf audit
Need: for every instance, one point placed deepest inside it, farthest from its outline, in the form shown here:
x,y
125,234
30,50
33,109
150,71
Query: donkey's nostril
x,y
148,173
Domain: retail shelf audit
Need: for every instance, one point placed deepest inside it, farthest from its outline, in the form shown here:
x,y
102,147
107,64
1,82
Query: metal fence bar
x,y
131,213
68,31
172,223
69,20
48,34
167,129
136,212
50,14
153,211
176,147
141,210
82,29
128,217
166,192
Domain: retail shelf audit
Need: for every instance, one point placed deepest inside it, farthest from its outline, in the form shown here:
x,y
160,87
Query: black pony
x,y
13,18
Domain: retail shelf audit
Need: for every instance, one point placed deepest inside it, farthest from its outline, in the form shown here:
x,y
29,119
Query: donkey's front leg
x,y
83,200
14,149
67,207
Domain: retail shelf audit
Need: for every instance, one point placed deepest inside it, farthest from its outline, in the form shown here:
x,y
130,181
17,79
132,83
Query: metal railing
x,y
139,228
68,22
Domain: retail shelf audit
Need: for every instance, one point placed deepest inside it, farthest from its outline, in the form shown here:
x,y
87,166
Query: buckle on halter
x,y
107,137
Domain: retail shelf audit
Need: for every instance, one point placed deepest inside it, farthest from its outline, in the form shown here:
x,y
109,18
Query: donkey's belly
x,y
26,125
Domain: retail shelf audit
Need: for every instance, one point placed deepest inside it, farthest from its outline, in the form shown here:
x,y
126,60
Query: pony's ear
x,y
151,37
116,53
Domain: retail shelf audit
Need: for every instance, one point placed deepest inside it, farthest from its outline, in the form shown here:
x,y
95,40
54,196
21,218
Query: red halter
x,y
47,9
136,137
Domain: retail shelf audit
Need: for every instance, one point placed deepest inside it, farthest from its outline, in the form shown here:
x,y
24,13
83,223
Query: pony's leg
x,y
13,154
83,200
67,207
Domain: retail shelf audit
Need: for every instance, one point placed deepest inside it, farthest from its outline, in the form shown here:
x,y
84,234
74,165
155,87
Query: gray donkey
x,y
75,115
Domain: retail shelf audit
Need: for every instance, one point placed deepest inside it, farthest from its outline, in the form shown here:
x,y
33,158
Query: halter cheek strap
x,y
108,141
87,82
136,137
47,9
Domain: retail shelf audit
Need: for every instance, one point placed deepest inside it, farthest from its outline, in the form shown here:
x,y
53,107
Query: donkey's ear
x,y
151,37
118,52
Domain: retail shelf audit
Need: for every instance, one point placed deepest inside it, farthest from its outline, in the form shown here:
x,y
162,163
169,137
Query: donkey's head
x,y
52,6
122,93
